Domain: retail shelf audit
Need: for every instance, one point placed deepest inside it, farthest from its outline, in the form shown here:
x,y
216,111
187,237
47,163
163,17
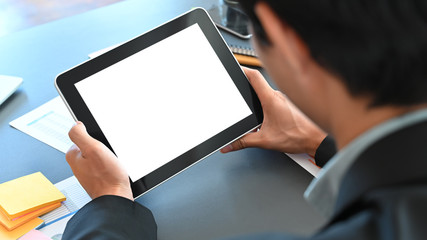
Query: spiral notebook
x,y
243,50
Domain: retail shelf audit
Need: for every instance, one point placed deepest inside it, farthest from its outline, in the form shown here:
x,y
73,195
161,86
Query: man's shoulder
x,y
397,160
398,212
383,192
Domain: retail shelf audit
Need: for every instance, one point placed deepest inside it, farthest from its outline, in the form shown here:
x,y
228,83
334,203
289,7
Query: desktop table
x,y
252,190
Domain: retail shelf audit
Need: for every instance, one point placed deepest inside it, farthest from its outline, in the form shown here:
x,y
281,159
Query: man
x,y
356,68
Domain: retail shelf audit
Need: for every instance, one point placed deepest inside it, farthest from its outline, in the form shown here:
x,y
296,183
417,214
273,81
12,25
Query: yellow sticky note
x,y
27,194
20,231
10,225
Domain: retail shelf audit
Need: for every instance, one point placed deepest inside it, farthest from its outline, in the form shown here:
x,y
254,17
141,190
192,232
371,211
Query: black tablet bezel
x,y
65,84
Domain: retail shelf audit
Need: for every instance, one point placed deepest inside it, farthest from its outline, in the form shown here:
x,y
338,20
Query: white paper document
x,y
102,51
56,229
48,123
306,162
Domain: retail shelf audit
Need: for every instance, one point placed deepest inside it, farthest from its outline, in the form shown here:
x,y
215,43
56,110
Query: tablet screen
x,y
163,101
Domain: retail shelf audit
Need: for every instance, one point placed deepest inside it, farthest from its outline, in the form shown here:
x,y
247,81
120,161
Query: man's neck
x,y
351,117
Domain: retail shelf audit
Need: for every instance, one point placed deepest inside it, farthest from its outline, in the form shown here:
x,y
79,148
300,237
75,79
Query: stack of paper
x,y
23,200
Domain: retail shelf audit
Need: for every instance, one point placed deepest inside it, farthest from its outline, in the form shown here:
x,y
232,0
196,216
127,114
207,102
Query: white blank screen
x,y
162,101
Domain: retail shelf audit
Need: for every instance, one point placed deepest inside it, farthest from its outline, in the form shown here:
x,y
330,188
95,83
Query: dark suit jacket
x,y
382,196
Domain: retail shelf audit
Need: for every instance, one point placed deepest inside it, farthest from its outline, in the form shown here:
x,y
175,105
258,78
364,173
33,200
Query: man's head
x,y
376,47
332,57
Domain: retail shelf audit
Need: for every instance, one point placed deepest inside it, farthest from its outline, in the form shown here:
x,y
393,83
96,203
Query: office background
x,y
17,15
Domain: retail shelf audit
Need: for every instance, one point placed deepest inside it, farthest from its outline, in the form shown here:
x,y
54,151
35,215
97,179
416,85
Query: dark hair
x,y
377,47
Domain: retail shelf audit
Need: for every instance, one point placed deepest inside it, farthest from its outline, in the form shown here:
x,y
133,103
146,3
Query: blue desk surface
x,y
248,191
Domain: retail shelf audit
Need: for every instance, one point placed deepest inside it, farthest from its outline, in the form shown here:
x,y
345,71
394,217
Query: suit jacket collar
x,y
396,159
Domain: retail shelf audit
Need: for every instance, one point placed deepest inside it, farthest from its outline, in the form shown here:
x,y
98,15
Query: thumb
x,y
80,137
258,82
249,140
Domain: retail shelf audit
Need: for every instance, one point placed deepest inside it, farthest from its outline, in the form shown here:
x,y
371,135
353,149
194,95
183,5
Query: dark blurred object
x,y
227,16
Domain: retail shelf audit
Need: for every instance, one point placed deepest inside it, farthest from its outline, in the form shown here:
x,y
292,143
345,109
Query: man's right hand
x,y
285,128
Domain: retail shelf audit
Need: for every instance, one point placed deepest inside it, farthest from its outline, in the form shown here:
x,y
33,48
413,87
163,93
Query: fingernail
x,y
227,149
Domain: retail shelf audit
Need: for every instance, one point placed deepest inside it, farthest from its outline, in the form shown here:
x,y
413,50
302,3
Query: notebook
x,y
18,232
12,224
8,86
243,50
27,194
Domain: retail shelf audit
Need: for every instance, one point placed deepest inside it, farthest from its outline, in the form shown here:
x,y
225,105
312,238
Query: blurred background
x,y
16,15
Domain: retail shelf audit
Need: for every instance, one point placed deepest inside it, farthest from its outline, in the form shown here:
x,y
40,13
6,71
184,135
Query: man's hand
x,y
285,128
95,166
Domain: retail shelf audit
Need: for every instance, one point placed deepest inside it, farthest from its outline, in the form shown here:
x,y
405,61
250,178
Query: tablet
x,y
163,100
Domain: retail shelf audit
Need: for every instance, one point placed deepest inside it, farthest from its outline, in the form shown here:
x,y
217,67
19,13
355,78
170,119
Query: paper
x,y
12,224
15,234
102,51
76,199
27,194
35,235
55,230
306,162
48,123
55,221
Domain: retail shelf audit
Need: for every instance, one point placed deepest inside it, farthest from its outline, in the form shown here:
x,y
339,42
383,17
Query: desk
x,y
248,191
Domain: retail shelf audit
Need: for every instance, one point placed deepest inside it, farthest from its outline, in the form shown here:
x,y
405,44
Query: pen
x,y
248,60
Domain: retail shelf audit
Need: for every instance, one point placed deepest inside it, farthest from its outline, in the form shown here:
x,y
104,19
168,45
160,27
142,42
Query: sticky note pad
x,y
27,194
35,235
20,231
12,224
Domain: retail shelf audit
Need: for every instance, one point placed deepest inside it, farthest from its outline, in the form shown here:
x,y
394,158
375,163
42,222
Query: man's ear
x,y
282,36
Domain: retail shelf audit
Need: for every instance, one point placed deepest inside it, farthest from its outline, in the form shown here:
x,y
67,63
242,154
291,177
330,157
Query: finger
x,y
72,155
80,137
258,82
249,140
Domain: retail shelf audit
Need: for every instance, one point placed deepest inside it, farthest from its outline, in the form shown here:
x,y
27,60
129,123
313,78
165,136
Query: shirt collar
x,y
322,193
